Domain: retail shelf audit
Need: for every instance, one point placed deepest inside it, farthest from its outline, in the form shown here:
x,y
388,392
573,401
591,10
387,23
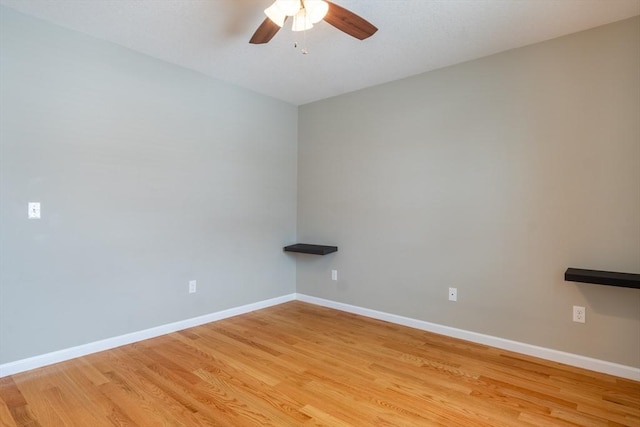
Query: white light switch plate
x,y
34,210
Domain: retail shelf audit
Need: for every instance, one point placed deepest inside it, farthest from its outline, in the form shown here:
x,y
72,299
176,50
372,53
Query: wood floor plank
x,y
297,364
252,387
6,419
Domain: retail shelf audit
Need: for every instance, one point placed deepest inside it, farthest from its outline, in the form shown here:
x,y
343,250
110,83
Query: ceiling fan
x,y
305,13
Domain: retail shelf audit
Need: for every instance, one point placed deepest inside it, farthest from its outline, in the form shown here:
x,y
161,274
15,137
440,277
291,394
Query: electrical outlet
x,y
453,294
334,275
579,314
192,286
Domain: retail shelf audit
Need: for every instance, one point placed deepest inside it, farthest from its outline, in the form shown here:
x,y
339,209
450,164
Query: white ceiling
x,y
414,36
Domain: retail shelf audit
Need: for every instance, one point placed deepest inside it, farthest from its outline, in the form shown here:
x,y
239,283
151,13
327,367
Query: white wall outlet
x,y
33,210
579,314
453,294
192,286
334,275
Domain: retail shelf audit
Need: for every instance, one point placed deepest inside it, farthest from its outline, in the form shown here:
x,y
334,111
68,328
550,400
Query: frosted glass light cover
x,y
301,21
316,10
276,14
289,7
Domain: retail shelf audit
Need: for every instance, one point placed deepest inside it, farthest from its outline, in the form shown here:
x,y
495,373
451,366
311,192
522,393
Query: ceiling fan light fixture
x,y
305,13
316,10
301,21
289,7
276,14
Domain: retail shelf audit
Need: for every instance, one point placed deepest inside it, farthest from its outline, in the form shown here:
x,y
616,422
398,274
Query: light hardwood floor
x,y
298,364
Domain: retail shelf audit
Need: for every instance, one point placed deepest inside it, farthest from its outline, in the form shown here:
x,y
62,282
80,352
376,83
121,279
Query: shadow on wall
x,y
611,300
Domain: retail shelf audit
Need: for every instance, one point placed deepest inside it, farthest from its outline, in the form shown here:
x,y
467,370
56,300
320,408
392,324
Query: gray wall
x,y
492,176
149,175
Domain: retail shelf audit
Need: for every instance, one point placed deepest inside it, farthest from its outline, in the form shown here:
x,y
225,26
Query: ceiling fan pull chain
x,y
304,43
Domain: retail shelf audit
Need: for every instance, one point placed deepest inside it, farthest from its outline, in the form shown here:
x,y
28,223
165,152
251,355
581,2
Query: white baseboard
x,y
515,346
576,360
106,344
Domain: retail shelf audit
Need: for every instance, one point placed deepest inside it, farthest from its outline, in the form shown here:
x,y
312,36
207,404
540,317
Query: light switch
x,y
34,210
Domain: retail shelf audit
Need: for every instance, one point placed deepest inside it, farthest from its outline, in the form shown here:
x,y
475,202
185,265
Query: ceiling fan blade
x,y
348,22
265,32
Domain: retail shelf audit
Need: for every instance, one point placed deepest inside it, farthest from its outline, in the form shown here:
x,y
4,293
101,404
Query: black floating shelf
x,y
306,248
625,280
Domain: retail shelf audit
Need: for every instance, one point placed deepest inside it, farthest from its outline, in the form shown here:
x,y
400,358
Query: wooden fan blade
x,y
265,32
348,22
